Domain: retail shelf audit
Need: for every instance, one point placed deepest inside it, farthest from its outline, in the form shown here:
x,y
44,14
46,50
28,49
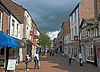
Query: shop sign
x,y
31,33
11,64
78,45
98,54
36,37
75,38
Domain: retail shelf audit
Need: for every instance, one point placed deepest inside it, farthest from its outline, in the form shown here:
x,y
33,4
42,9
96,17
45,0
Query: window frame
x,y
1,21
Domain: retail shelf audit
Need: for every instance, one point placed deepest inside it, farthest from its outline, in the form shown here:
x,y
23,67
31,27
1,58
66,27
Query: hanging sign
x,y
31,33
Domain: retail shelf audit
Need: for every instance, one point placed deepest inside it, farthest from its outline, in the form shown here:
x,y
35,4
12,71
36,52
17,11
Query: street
x,y
57,63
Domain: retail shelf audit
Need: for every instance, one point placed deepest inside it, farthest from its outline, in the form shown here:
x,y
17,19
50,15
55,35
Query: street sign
x,y
11,64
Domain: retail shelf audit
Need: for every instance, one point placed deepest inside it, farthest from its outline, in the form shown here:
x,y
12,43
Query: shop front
x,y
97,48
32,47
6,43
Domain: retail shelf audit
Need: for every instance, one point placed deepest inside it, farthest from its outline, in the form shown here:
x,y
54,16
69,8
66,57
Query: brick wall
x,y
34,28
66,27
98,6
5,21
86,9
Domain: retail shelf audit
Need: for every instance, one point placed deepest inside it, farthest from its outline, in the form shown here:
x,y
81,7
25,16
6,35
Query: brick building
x,y
66,33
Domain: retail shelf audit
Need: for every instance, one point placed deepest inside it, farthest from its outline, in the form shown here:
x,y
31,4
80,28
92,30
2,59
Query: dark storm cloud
x,y
49,14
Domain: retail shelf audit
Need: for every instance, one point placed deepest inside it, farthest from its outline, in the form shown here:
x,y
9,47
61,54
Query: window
x,y
2,51
75,30
72,32
75,17
17,30
0,20
13,22
72,19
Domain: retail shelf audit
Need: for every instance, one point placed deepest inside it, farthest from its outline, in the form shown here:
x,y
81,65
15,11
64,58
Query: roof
x,y
16,10
6,10
74,9
91,22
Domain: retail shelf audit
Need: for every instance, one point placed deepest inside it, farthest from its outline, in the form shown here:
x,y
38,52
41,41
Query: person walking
x,y
50,52
36,60
27,61
70,58
80,59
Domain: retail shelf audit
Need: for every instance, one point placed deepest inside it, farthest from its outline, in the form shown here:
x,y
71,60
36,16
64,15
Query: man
x,y
70,58
80,58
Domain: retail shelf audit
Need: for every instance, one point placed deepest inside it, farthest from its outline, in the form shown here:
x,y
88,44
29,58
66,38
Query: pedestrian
x,y
70,58
36,60
50,52
27,61
80,59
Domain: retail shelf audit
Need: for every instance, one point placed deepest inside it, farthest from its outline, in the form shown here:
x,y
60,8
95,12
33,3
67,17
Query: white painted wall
x,y
28,25
12,18
74,24
21,31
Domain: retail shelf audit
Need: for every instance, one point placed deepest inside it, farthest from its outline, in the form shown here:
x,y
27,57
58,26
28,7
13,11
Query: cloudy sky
x,y
49,14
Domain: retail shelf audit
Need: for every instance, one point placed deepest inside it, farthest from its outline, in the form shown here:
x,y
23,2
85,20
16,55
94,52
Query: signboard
x,y
98,54
11,64
75,38
31,33
36,37
78,45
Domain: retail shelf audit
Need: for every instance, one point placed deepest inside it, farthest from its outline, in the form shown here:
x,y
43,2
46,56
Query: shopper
x,y
36,60
80,59
27,61
70,58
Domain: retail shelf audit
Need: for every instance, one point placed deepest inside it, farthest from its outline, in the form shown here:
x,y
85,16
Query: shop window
x,y
2,51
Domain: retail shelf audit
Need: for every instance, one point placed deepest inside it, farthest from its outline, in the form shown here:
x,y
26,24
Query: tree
x,y
44,39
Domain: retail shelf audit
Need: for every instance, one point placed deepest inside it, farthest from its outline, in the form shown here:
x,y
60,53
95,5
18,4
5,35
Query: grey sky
x,y
49,14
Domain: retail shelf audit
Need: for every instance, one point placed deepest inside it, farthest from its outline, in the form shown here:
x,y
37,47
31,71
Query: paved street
x,y
57,63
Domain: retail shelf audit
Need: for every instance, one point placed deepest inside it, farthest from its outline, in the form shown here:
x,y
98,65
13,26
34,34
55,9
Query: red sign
x,y
78,45
31,33
98,53
36,37
75,38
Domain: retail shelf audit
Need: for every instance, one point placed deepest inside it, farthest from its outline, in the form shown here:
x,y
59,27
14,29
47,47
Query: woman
x,y
36,60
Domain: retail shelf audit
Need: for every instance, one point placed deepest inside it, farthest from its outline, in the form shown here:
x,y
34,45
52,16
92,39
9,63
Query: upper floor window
x,y
17,30
72,19
72,31
75,17
0,20
13,22
75,30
